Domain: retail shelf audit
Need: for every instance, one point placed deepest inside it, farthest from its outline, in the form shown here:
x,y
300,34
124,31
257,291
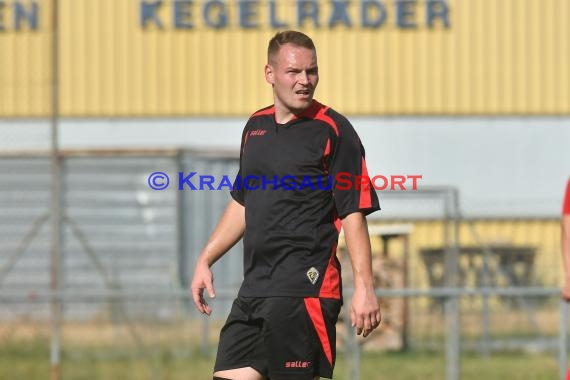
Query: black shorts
x,y
281,337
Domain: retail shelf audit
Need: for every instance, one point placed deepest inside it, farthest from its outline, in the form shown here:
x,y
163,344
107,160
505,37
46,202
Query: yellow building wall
x,y
25,64
541,234
507,57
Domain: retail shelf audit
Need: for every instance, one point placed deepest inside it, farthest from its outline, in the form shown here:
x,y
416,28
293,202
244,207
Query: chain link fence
x,y
128,253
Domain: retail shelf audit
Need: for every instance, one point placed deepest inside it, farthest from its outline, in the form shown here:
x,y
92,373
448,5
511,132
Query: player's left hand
x,y
365,312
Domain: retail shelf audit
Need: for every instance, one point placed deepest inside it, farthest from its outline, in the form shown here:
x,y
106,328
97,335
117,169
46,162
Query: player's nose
x,y
303,78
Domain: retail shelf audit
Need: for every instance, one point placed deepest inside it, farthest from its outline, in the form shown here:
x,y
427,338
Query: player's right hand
x,y
203,279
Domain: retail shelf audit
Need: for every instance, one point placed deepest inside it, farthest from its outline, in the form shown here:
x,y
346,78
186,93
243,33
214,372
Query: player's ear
x,y
269,74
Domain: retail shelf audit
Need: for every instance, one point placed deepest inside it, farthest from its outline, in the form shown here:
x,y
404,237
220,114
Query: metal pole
x,y
486,309
56,214
405,300
181,228
353,347
486,321
562,339
452,323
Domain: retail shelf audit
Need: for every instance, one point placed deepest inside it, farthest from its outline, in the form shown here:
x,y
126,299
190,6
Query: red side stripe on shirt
x,y
338,224
365,197
327,148
566,208
313,306
326,153
330,287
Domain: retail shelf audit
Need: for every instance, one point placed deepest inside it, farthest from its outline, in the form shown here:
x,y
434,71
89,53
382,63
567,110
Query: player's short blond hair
x,y
288,37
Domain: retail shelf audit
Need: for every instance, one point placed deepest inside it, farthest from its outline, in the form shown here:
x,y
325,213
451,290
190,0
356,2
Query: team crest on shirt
x,y
313,275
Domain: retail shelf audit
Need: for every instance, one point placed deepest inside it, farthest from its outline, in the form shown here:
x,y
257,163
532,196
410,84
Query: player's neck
x,y
283,116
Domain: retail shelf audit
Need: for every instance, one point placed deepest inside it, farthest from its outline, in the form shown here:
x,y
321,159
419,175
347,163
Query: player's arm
x,y
227,233
364,311
565,247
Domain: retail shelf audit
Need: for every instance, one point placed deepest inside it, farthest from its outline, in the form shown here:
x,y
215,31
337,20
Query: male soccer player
x,y
289,206
565,242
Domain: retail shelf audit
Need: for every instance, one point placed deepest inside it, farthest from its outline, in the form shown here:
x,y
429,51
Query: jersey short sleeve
x,y
237,192
352,188
566,205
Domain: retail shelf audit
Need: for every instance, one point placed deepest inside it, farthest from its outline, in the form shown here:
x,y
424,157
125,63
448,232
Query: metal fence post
x,y
55,207
353,347
452,323
182,238
562,340
452,340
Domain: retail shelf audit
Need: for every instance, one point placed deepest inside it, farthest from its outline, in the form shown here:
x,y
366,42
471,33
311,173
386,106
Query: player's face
x,y
294,75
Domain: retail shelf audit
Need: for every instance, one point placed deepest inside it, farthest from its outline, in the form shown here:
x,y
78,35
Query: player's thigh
x,y
246,373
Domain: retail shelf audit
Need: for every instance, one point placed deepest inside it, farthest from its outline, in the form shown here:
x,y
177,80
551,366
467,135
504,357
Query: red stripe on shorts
x,y
313,306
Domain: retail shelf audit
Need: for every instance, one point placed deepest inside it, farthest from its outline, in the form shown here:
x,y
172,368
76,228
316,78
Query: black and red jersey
x,y
289,184
566,204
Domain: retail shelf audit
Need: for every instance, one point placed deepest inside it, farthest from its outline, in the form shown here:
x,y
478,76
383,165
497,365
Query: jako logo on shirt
x,y
257,132
313,275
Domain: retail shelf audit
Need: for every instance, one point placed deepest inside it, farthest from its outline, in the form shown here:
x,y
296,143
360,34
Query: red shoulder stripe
x,y
321,115
265,111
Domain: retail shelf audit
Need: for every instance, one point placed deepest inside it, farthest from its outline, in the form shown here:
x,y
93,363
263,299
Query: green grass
x,y
30,361
424,366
